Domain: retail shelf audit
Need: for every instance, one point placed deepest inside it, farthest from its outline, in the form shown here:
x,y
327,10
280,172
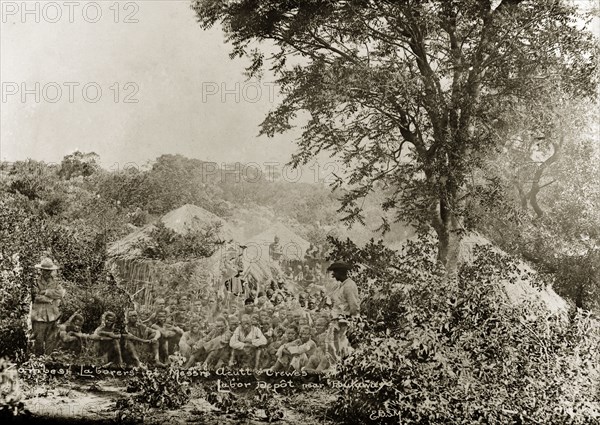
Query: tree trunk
x,y
447,229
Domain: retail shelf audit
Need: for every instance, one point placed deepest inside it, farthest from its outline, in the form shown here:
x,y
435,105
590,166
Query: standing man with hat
x,y
345,297
346,304
46,296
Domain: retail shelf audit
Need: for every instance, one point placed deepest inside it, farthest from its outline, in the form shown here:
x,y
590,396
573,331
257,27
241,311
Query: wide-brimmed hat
x,y
339,265
47,264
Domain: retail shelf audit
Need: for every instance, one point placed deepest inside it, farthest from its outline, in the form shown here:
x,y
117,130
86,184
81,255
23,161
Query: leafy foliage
x,y
27,236
166,244
164,389
550,185
406,94
463,353
262,405
78,164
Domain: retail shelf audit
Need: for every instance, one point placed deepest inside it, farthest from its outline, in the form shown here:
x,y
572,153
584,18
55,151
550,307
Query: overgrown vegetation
x,y
438,350
164,243
459,352
164,389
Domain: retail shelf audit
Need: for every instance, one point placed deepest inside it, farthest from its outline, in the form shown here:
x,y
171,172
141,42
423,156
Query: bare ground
x,y
95,402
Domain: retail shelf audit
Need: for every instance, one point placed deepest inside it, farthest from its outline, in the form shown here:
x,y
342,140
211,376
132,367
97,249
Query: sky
x,y
129,80
167,86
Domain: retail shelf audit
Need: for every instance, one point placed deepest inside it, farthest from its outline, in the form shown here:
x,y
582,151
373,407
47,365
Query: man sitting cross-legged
x,y
138,337
109,340
281,361
168,334
324,356
246,342
189,338
294,355
212,349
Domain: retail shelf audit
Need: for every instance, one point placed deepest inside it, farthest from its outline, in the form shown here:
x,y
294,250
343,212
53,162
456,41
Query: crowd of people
x,y
294,323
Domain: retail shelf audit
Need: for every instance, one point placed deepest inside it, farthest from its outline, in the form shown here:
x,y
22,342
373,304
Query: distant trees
x,y
553,173
78,164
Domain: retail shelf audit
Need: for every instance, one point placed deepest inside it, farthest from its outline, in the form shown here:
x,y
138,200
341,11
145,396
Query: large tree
x,y
405,92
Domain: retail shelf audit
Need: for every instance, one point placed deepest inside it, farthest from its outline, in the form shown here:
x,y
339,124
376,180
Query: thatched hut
x,y
294,246
141,275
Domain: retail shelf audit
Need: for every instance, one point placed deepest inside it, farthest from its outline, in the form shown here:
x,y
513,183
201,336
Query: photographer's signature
x,y
388,413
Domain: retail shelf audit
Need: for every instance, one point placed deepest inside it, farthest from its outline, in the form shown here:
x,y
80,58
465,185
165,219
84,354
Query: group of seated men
x,y
276,330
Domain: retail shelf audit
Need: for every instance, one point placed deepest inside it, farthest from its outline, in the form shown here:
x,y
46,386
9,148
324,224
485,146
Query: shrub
x,y
461,352
163,389
166,244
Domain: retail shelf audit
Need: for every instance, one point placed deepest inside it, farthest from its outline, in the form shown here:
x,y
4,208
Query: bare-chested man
x,y
137,337
212,350
70,335
294,355
109,340
168,335
189,338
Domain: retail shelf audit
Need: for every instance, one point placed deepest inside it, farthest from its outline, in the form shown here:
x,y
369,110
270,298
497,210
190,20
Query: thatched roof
x,y
257,267
521,290
293,245
221,265
183,220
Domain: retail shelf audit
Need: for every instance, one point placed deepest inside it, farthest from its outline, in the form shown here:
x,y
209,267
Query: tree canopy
x,y
407,93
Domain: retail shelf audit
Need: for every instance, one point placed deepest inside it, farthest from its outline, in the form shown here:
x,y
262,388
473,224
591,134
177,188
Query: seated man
x,y
226,352
188,339
302,299
280,336
280,348
138,336
168,335
159,305
262,301
294,355
109,340
246,342
212,350
249,307
265,325
311,306
324,355
70,338
172,304
180,317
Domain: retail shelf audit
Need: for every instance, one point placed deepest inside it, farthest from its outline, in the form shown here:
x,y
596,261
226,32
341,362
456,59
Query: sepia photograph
x,y
300,212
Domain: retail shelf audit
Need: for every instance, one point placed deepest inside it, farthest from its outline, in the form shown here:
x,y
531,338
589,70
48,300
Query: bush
x,y
163,389
460,352
166,244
